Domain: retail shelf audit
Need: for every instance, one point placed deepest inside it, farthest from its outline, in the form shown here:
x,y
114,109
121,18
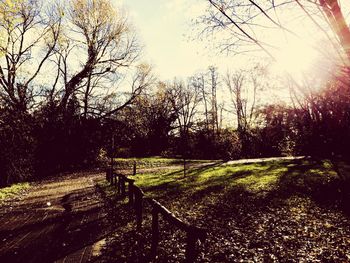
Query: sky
x,y
166,30
168,34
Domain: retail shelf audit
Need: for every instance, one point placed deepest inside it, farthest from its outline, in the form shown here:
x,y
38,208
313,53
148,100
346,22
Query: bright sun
x,y
295,58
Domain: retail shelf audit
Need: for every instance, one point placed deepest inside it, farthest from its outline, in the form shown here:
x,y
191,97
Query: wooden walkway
x,y
57,221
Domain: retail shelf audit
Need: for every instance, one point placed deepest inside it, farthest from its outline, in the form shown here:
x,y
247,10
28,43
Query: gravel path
x,y
57,220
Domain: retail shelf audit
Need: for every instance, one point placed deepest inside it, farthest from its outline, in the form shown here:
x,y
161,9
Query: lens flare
x,y
295,58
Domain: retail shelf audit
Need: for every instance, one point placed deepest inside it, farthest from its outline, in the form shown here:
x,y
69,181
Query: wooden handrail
x,y
138,193
192,233
136,197
171,218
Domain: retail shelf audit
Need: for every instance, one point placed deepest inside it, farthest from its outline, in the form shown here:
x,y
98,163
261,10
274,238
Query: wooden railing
x,y
136,200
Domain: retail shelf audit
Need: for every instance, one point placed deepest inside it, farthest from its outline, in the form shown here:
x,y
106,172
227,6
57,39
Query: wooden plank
x,y
138,190
136,196
191,252
169,216
138,208
155,232
134,168
131,192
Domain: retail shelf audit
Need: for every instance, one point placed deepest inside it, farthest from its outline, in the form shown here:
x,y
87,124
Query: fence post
x,y
131,192
115,180
184,167
107,175
110,175
191,253
138,209
119,184
155,232
122,186
134,168
112,178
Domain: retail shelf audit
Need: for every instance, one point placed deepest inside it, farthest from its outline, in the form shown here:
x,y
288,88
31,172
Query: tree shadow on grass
x,y
306,177
197,187
303,209
238,205
324,186
175,182
309,178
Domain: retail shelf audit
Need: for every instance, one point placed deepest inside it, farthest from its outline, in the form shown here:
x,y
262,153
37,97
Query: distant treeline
x,y
78,118
45,141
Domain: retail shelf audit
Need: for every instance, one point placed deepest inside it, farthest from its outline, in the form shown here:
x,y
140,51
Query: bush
x,y
17,146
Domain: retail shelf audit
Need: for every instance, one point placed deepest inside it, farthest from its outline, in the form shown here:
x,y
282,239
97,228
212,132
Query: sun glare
x,y
295,58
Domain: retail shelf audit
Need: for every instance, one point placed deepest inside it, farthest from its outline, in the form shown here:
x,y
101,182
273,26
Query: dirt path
x,y
58,220
261,160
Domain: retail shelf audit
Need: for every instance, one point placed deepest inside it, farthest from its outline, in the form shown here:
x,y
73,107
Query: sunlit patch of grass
x,y
154,179
168,180
13,190
256,183
253,177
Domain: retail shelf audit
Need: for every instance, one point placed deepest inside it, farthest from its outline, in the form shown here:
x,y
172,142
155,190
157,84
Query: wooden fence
x,y
137,198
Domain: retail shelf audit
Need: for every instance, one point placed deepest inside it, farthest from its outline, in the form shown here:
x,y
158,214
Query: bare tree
x,y
25,31
235,84
199,83
241,20
207,85
141,81
100,34
184,99
243,86
214,101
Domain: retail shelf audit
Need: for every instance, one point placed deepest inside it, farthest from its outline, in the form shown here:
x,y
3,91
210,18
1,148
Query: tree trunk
x,y
337,21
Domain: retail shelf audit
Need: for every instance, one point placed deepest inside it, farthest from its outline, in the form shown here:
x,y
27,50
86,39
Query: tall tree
x,y
244,85
28,39
185,99
207,84
214,100
102,37
150,119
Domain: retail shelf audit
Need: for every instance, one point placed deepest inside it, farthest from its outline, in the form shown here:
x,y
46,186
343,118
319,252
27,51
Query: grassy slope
x,y
264,211
267,212
253,177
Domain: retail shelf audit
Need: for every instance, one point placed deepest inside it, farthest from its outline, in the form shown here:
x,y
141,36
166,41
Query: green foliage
x,y
17,146
13,190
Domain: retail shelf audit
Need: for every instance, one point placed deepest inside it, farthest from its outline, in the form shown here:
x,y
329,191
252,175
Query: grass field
x,y
305,175
271,211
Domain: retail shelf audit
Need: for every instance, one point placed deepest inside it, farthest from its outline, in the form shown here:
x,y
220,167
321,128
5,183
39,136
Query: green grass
x,y
254,177
12,191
